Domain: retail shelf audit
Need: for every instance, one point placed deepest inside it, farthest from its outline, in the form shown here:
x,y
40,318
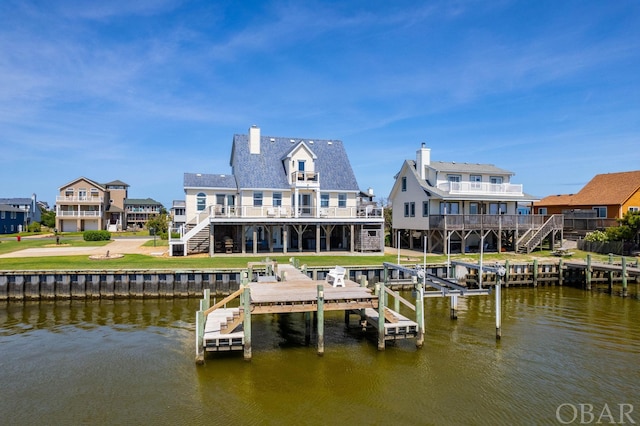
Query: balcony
x,y
305,179
288,212
63,199
457,222
481,188
78,214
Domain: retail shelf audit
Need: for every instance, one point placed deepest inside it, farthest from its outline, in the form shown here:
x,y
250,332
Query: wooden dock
x,y
220,328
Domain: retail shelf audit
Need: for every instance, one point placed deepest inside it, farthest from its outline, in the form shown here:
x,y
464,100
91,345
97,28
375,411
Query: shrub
x,y
34,227
595,236
96,235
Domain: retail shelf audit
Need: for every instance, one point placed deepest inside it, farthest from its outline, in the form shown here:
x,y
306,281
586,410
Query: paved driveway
x,y
117,246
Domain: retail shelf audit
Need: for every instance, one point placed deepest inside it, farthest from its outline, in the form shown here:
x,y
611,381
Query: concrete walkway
x,y
117,246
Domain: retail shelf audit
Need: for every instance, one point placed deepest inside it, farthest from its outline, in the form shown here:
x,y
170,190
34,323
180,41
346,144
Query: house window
x,y
220,199
600,211
301,165
94,193
496,180
474,208
68,192
1,215
406,209
404,183
14,215
425,208
497,208
454,178
324,200
449,208
412,206
634,209
476,181
277,199
257,198
201,201
342,200
542,210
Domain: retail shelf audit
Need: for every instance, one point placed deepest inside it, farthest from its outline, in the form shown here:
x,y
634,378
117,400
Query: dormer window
x,y
301,165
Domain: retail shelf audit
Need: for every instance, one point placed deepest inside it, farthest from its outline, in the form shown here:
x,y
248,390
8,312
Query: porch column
x,y
285,238
270,228
352,243
410,239
212,239
382,238
317,238
254,236
295,203
327,238
243,239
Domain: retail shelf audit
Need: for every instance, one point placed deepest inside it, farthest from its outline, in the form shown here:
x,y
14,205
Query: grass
x,y
11,245
143,262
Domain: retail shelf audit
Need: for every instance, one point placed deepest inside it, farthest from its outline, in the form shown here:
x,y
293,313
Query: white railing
x,y
481,188
305,179
271,212
78,214
74,199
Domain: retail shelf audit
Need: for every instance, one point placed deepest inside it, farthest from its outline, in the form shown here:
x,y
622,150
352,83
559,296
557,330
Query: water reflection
x,y
132,361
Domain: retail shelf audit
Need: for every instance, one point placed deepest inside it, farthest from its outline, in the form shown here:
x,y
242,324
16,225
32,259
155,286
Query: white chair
x,y
335,276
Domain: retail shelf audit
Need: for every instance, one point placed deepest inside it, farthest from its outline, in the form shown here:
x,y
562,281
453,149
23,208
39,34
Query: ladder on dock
x,y
220,330
396,326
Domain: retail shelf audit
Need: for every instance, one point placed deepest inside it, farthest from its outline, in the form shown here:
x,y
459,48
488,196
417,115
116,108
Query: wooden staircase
x,y
531,239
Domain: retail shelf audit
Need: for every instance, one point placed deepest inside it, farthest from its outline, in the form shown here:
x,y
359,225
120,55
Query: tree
x,y
628,229
159,223
48,218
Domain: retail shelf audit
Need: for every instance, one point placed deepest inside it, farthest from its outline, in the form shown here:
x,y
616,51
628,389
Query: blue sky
x,y
144,91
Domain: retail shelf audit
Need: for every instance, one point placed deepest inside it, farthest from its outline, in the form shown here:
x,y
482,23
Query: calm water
x,y
132,362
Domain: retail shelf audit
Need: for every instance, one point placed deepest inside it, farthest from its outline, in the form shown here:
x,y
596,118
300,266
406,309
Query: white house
x,y
282,195
459,206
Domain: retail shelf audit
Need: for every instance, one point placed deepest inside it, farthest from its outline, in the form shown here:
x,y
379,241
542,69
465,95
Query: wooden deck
x,y
224,328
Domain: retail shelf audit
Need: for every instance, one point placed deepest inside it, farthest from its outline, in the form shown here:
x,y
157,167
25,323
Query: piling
x,y
320,319
588,272
381,294
535,272
420,314
624,277
454,306
246,305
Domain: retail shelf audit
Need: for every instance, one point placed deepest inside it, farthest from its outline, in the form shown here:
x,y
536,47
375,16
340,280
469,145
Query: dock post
x,y
587,273
381,295
320,319
199,337
307,327
560,277
420,314
454,306
624,277
205,298
506,273
500,273
246,305
535,272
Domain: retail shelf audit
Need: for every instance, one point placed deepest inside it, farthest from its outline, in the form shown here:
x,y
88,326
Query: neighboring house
x,y
283,195
454,206
28,205
139,211
178,213
598,204
12,219
84,205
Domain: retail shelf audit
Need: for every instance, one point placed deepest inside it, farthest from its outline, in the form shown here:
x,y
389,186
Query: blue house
x,y
12,219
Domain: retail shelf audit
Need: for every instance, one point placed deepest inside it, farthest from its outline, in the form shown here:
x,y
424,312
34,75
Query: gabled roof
x,y
556,200
609,188
604,189
8,208
92,182
16,201
445,166
141,202
266,170
116,183
204,180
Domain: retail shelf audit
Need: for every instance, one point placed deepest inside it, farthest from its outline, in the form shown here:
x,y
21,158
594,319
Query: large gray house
x,y
283,194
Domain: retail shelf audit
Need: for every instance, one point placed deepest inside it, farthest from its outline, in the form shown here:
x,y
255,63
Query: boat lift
x,y
448,288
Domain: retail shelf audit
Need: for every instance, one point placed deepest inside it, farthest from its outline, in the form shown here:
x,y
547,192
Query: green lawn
x,y
8,245
141,262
